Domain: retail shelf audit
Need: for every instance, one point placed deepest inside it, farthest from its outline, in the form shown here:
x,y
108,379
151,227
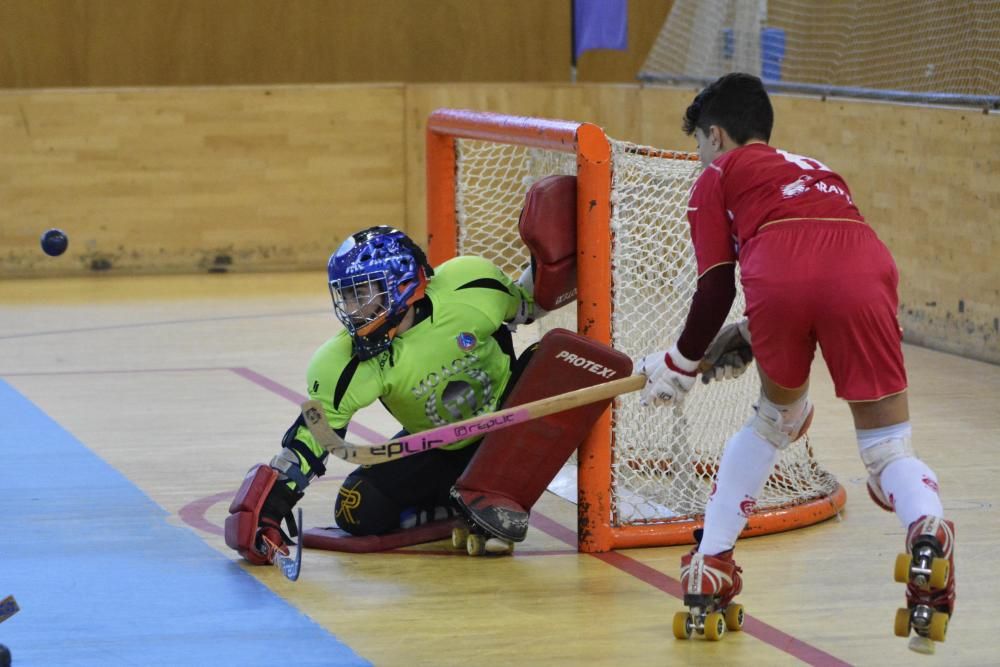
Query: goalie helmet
x,y
375,276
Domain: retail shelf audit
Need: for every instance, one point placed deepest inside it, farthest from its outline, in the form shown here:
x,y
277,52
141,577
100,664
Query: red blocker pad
x,y
513,467
335,539
548,227
244,512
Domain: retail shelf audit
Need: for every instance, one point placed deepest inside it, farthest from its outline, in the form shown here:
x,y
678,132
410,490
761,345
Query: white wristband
x,y
681,361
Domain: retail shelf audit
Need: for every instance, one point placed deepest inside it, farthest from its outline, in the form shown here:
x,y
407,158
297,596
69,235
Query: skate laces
x,y
710,575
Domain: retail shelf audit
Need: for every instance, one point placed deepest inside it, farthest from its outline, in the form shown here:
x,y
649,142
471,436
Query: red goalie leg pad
x,y
335,539
512,467
548,227
244,512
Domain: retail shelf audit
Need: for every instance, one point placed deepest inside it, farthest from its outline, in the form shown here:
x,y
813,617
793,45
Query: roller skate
x,y
710,583
477,542
929,574
492,524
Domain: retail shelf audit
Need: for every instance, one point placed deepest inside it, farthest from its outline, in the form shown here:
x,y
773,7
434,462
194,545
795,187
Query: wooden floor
x,y
181,384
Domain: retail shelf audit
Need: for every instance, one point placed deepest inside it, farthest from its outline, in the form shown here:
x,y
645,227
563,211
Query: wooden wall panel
x,y
922,179
51,43
916,173
187,180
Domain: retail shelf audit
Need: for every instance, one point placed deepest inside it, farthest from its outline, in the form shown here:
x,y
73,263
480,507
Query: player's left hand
x,y
669,376
529,311
729,354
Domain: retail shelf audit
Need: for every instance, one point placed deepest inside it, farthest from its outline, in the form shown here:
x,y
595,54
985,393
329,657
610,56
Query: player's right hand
x,y
669,377
729,354
528,311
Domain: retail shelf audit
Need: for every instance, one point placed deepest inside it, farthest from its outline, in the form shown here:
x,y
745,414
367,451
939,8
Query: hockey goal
x,y
644,475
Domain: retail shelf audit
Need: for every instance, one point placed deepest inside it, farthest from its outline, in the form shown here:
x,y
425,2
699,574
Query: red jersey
x,y
747,187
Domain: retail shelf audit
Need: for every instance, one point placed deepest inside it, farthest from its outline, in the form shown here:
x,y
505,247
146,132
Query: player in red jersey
x,y
813,272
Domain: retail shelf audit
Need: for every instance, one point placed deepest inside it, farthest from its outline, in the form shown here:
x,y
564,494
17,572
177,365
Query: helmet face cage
x,y
360,303
374,277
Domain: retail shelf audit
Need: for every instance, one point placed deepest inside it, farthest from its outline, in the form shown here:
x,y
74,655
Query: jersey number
x,y
802,162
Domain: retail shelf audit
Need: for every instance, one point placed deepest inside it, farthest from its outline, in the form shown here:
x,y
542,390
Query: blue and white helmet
x,y
375,276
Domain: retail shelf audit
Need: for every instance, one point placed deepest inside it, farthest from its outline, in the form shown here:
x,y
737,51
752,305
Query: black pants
x,y
372,498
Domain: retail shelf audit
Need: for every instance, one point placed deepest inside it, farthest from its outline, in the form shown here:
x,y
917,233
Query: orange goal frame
x,y
592,149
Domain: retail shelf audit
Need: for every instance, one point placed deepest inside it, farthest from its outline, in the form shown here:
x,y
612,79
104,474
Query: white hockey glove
x,y
669,376
729,354
528,311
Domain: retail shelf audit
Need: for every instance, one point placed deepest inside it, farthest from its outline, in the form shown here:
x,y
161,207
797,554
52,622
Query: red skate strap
x,y
711,575
335,539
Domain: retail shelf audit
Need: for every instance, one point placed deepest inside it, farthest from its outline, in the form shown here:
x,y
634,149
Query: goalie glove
x,y
669,376
528,311
729,354
256,512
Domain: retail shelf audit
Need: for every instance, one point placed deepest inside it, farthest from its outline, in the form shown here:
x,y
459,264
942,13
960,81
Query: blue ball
x,y
54,242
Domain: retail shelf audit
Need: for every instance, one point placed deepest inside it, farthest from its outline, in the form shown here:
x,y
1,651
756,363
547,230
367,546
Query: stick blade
x,y
290,566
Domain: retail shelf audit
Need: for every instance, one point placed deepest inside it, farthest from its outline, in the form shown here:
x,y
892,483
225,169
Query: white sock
x,y
746,464
913,487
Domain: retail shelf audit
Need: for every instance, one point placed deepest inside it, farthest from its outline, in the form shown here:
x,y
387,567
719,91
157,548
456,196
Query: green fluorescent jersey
x,y
445,368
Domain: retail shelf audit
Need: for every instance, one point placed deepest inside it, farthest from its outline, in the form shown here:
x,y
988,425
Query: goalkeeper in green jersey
x,y
433,346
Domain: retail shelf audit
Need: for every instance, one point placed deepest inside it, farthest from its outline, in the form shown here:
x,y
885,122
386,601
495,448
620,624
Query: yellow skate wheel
x,y
902,626
939,626
475,545
940,569
683,625
715,626
902,573
734,617
459,535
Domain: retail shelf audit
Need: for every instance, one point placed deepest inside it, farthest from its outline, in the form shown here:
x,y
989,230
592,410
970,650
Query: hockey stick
x,y
8,607
319,427
290,566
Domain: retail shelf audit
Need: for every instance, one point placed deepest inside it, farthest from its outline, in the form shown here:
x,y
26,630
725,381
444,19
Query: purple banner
x,y
599,24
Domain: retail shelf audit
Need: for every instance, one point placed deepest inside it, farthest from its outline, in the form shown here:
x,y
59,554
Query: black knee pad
x,y
362,509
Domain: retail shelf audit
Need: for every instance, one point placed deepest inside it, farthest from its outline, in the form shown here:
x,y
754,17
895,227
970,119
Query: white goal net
x,y
917,50
663,460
